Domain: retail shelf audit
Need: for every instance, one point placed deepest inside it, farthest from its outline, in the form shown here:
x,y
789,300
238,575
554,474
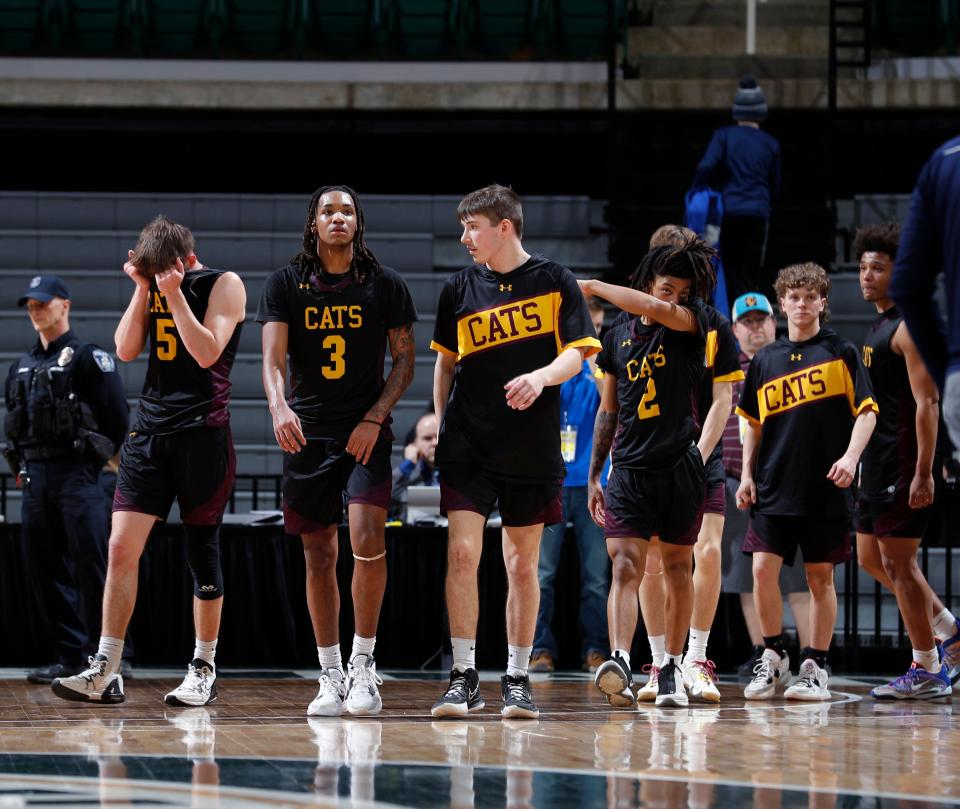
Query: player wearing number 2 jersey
x,y
179,448
654,367
332,311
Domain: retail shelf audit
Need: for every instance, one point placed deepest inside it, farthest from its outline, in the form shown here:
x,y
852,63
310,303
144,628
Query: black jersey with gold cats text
x,y
177,392
336,342
659,372
890,459
499,326
722,360
806,395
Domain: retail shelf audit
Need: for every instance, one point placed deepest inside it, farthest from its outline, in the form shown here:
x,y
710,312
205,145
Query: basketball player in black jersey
x,y
810,412
654,366
180,447
714,405
333,310
896,475
510,329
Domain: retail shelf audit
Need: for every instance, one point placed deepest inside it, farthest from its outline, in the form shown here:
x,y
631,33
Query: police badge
x,y
65,358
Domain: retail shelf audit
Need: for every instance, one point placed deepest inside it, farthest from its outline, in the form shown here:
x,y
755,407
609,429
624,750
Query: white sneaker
x,y
700,678
330,697
771,669
811,684
198,688
363,698
95,684
648,693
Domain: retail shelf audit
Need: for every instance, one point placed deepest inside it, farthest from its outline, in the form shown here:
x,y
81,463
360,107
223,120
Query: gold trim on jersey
x,y
442,349
710,350
741,412
733,376
509,322
592,344
815,382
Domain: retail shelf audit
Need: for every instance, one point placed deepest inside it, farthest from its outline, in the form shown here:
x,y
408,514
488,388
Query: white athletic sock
x,y
945,625
927,660
697,646
363,646
624,654
658,645
330,657
518,660
112,649
206,650
464,653
669,658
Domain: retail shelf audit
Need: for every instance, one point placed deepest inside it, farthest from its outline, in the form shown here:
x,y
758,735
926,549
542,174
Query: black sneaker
x,y
745,669
670,690
517,700
613,677
47,674
462,695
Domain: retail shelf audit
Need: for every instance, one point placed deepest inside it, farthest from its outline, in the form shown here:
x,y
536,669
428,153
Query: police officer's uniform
x,y
66,414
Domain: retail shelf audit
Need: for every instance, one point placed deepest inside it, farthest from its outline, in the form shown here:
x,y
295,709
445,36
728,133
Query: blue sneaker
x,y
917,683
951,655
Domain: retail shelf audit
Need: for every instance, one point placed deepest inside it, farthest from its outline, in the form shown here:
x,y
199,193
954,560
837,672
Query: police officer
x,y
66,414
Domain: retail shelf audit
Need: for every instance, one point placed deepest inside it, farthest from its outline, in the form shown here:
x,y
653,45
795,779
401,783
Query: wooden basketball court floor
x,y
254,746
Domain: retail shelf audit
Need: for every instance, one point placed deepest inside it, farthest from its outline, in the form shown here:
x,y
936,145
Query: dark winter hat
x,y
749,104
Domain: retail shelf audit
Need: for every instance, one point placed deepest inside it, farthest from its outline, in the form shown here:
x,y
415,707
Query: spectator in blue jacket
x,y
743,162
929,243
579,402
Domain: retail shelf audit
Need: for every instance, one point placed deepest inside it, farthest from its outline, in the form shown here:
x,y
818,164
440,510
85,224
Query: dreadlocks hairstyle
x,y
364,264
883,238
687,259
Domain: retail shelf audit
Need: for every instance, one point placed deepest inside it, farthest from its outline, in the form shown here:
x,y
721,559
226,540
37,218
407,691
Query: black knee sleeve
x,y
203,558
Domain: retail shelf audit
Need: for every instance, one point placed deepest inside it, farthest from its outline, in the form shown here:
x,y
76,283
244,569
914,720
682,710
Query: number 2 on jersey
x,y
338,367
647,409
166,339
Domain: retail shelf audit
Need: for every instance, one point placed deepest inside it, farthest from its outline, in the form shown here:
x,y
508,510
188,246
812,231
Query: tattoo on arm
x,y
603,431
403,351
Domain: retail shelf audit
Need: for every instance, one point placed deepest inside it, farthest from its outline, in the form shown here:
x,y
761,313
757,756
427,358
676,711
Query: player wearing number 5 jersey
x,y
179,448
332,311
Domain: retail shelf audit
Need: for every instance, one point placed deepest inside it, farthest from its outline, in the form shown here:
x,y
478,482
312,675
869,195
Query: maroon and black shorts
x,y
894,519
319,479
520,504
820,539
716,500
196,467
666,502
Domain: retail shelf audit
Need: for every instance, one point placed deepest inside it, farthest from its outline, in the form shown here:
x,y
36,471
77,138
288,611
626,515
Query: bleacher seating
x,y
84,237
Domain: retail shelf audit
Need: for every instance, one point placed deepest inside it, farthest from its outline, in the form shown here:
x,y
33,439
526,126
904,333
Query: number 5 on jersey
x,y
166,339
337,367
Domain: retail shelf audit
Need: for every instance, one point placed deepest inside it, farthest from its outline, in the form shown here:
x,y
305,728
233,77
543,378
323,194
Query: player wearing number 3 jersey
x,y
179,448
332,311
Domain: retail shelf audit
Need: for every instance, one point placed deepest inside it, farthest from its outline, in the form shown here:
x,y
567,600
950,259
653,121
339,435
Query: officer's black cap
x,y
44,288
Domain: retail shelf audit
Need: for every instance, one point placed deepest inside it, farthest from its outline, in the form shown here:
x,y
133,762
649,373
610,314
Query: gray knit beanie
x,y
749,104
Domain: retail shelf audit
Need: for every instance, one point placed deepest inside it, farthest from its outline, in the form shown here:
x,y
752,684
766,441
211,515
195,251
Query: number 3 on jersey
x,y
166,339
648,409
337,367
